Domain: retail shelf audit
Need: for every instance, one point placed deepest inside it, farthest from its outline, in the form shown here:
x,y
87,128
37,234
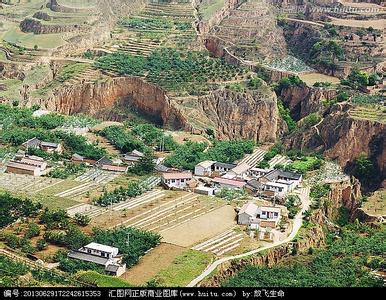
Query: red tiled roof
x,y
177,175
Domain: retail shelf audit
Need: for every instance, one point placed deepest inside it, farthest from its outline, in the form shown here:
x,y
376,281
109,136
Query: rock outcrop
x,y
303,100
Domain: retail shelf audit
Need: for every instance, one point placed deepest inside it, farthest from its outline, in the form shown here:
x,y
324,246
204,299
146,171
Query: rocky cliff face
x,y
344,138
94,98
234,115
303,100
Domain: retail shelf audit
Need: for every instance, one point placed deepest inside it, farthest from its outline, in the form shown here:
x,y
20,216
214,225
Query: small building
x,y
279,189
22,168
263,216
133,157
204,168
34,161
220,167
247,213
106,256
51,147
241,171
228,183
258,172
203,190
104,161
35,143
176,180
79,159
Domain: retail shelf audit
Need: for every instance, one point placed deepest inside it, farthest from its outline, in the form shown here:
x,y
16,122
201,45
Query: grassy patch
x,y
184,268
101,280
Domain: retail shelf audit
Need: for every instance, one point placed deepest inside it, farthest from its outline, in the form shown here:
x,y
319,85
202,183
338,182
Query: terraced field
x,y
26,183
369,113
167,25
222,243
254,158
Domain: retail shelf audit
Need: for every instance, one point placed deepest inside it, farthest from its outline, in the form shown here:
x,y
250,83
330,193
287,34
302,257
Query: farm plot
x,y
90,180
26,183
201,227
279,160
222,243
254,158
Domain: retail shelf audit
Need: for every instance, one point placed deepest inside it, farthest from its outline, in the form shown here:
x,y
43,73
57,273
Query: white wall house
x,y
176,180
204,168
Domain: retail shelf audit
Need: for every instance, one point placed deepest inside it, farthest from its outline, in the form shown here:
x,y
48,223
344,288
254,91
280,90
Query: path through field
x,y
297,224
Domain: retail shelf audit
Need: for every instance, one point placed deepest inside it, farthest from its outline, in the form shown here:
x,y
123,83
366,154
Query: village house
x,y
78,159
133,157
35,143
17,167
176,180
203,190
106,256
259,216
204,168
220,168
241,171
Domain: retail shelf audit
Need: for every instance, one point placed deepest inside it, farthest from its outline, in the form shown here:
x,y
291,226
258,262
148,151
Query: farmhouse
x,y
106,256
35,143
112,168
34,161
78,159
204,168
23,168
133,157
220,167
176,180
240,171
263,216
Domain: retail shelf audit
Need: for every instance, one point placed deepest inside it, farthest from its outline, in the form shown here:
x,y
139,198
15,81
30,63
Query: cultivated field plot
x,y
27,183
222,243
376,24
90,181
254,158
172,213
146,269
312,77
200,228
376,203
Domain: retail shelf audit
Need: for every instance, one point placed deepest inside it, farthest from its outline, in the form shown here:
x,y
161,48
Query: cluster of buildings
x,y
27,164
217,175
103,255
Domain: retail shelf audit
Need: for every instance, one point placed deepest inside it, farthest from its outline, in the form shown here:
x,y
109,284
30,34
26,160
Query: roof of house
x,y
101,247
179,175
32,162
249,208
88,257
34,157
205,164
226,181
136,153
224,165
104,161
21,166
112,268
260,170
114,168
34,142
76,156
161,168
241,168
49,144
270,208
276,184
275,174
255,184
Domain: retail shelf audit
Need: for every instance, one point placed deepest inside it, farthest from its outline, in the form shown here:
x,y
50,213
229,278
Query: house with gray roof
x,y
103,255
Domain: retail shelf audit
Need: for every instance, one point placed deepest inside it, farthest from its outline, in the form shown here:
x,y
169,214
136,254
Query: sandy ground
x,y
376,204
105,124
152,263
201,228
311,78
181,136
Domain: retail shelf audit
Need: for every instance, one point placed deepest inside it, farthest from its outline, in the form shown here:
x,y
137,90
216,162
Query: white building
x,y
263,216
176,180
241,171
104,255
204,168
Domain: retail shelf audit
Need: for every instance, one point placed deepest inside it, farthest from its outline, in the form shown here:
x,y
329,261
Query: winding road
x,y
297,224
